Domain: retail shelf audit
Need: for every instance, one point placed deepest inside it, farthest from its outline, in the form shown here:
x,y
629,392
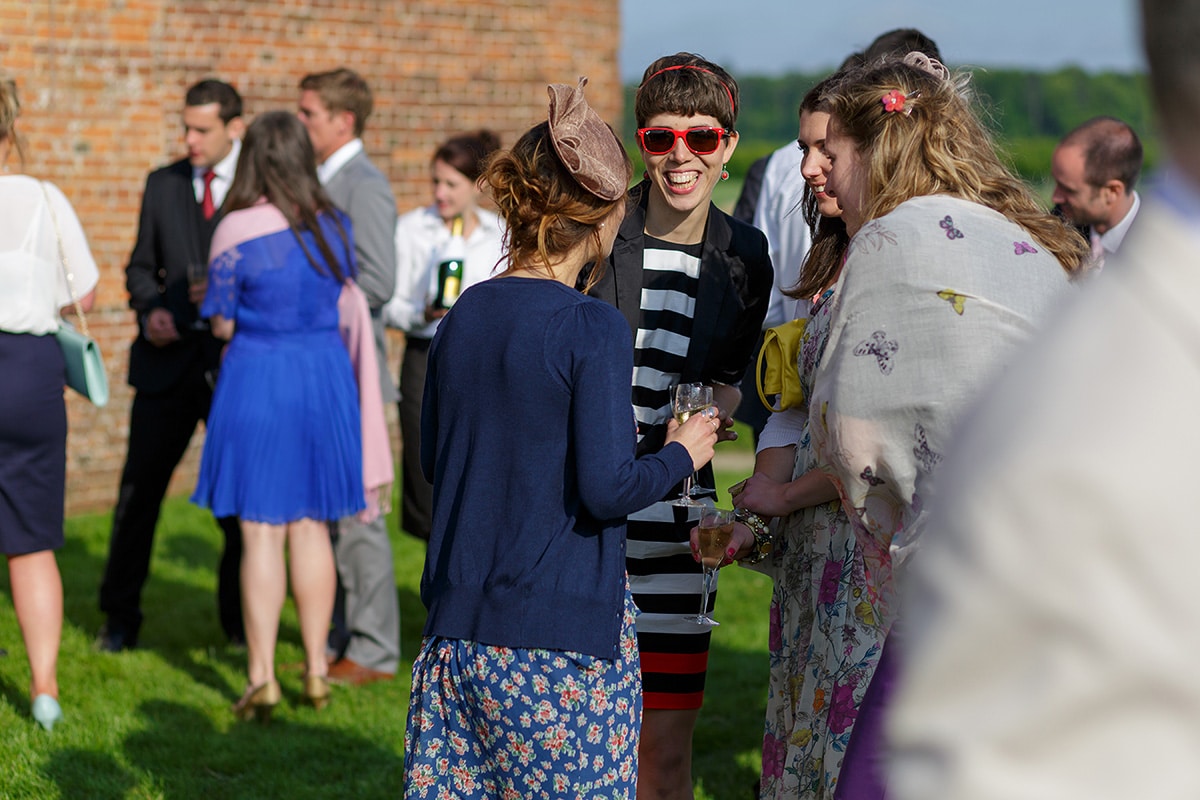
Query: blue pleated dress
x,y
284,439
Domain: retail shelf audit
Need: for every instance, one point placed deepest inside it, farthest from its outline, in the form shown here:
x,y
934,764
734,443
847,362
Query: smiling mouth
x,y
683,181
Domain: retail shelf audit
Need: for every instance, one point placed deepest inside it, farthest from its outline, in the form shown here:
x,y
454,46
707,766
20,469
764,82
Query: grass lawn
x,y
155,723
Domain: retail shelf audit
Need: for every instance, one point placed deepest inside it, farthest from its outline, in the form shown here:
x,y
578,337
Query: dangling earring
x,y
645,175
724,172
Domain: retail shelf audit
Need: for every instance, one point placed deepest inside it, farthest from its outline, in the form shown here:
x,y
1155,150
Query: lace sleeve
x,y
222,295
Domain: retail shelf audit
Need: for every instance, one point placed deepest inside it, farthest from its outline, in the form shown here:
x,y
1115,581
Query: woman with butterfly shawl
x,y
952,265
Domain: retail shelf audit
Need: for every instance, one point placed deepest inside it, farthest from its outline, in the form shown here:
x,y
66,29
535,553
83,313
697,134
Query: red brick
x,y
102,84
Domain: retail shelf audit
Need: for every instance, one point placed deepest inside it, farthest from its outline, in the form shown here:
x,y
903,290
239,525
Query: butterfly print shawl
x,y
934,300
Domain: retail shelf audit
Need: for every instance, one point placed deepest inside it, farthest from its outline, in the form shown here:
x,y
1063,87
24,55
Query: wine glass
x,y
714,535
689,399
197,277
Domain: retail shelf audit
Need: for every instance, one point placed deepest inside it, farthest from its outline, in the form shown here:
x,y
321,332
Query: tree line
x,y
1028,111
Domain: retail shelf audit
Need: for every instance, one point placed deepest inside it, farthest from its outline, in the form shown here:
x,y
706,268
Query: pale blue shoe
x,y
46,711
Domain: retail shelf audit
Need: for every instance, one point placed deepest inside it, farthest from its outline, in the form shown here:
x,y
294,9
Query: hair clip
x,y
924,62
893,101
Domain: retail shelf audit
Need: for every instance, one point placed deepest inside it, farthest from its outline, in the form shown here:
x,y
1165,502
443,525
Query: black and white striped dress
x,y
664,578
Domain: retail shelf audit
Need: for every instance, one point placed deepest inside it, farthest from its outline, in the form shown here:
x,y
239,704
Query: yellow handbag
x,y
777,374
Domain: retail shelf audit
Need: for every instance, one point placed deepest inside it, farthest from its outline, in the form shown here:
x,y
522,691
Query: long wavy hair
x,y
936,145
277,162
10,109
830,240
546,211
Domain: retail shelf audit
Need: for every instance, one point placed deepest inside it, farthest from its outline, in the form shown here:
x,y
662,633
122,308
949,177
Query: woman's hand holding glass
x,y
690,400
698,435
741,544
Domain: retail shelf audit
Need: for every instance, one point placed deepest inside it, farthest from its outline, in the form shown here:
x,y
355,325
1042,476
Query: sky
x,y
773,37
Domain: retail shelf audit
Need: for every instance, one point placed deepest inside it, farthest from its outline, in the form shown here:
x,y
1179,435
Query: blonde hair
x,y
935,144
10,109
546,211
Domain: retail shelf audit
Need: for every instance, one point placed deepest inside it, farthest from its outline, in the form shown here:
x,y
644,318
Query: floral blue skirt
x,y
510,723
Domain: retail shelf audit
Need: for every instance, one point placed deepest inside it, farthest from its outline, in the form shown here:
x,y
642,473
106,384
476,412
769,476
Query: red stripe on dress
x,y
675,663
665,701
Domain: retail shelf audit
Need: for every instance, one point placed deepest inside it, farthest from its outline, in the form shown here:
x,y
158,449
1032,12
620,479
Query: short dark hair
x,y
342,90
214,91
468,152
895,43
1111,150
900,42
687,84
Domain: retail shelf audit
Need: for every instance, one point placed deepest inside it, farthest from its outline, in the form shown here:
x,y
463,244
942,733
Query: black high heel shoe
x,y
258,702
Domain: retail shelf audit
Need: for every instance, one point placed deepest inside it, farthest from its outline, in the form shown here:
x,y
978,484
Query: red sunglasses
x,y
700,140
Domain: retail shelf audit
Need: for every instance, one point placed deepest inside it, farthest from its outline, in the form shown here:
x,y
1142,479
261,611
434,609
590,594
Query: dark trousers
x,y
416,503
160,426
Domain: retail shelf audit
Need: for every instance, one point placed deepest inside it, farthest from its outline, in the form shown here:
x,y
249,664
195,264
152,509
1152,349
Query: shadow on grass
x,y
179,599
87,773
730,730
181,754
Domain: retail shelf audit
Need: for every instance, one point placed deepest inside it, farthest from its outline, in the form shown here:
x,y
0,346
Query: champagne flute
x,y
714,535
689,399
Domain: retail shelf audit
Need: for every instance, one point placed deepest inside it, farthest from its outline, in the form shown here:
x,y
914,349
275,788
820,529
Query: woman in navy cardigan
x,y
527,682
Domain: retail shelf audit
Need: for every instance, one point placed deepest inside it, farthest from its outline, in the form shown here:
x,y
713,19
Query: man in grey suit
x,y
334,107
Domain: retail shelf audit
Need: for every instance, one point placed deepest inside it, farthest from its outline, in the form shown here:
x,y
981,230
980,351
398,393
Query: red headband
x,y
729,94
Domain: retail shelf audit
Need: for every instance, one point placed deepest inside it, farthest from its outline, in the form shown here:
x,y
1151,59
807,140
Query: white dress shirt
x,y
223,172
421,236
338,159
779,217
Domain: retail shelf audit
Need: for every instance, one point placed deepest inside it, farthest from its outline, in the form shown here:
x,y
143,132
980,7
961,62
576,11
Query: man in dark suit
x,y
173,362
334,107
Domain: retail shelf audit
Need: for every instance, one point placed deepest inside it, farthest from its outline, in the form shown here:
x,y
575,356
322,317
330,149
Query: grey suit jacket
x,y
365,194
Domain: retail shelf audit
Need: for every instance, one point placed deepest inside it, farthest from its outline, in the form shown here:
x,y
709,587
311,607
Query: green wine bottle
x,y
450,269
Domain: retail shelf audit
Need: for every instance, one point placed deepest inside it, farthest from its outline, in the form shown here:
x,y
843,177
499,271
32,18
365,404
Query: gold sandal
x,y
316,691
258,702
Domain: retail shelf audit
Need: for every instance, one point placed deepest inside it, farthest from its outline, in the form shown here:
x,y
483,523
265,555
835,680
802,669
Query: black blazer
x,y
172,233
731,300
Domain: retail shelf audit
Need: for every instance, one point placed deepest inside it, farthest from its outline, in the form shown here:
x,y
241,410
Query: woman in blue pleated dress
x,y
284,446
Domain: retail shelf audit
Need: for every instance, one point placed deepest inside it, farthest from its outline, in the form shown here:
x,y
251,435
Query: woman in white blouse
x,y
33,417
424,238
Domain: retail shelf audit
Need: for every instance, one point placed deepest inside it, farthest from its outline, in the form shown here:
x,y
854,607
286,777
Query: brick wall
x,y
102,84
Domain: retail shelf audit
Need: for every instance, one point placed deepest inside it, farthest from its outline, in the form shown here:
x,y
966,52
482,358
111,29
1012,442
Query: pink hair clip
x,y
893,101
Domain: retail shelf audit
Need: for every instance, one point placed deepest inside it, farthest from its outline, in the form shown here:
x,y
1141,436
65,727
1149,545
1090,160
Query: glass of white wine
x,y
714,534
686,400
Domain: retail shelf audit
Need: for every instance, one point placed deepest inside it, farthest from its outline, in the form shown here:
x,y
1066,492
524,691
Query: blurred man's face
x,y
1080,201
208,139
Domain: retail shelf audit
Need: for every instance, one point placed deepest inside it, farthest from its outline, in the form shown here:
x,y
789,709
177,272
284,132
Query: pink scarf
x,y
354,323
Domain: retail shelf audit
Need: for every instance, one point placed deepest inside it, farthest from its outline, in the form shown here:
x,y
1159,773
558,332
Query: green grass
x,y
155,723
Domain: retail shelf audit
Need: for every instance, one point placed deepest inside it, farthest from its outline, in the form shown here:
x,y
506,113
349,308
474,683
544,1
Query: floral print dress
x,y
504,723
936,298
825,627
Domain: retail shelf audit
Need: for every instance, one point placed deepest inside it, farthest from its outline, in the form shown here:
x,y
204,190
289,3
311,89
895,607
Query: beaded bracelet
x,y
762,535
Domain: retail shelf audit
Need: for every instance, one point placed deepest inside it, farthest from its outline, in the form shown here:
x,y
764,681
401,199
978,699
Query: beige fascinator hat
x,y
585,144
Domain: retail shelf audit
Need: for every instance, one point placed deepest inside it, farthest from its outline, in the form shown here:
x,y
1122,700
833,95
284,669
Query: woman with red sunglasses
x,y
693,284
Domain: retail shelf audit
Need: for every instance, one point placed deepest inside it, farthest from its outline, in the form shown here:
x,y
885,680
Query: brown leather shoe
x,y
350,673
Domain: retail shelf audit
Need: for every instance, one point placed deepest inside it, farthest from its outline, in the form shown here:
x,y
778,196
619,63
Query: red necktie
x,y
206,204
